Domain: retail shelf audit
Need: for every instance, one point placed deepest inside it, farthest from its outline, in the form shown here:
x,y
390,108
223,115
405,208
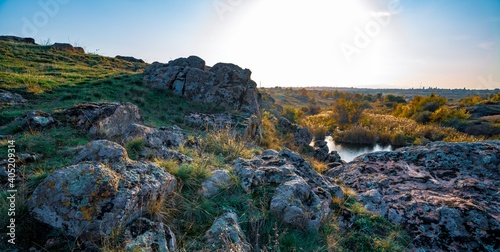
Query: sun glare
x,y
307,34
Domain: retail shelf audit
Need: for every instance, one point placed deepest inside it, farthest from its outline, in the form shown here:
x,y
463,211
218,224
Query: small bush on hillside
x,y
292,114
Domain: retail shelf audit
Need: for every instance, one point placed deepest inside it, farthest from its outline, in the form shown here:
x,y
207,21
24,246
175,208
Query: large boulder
x,y
103,191
302,198
445,194
109,120
224,84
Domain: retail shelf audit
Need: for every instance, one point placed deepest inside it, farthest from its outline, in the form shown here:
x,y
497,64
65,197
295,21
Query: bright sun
x,y
309,35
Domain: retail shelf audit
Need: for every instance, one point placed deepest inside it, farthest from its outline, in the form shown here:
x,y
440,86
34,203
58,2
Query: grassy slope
x,y
54,80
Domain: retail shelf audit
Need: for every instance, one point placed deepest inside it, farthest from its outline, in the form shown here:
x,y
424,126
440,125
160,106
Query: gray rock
x,y
303,137
218,180
148,236
226,85
320,144
102,151
108,120
170,137
9,98
88,200
445,194
226,235
35,120
158,143
294,179
299,205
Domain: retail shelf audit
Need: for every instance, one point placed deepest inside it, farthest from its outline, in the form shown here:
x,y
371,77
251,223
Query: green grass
x,y
54,81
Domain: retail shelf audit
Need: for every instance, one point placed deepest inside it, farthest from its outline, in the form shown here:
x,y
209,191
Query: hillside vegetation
x,y
54,81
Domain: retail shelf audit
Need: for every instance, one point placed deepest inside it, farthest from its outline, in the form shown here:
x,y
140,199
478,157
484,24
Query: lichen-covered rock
x,y
90,199
158,143
102,151
226,235
218,180
303,137
109,120
170,137
147,236
35,120
8,98
226,85
300,205
445,194
302,194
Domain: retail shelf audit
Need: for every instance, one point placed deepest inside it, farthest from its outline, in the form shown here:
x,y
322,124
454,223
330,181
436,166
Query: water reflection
x,y
349,151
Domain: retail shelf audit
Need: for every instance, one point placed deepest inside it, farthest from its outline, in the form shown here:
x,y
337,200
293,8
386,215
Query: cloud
x,y
489,45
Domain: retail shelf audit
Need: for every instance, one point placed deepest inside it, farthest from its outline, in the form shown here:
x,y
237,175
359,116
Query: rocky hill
x,y
114,154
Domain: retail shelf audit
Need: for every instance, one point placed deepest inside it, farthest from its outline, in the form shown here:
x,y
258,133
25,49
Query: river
x,y
349,151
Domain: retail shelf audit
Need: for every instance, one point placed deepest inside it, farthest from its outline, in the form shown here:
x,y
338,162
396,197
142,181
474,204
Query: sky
x,y
338,43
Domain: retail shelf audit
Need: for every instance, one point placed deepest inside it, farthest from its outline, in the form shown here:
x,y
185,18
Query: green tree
x,y
347,111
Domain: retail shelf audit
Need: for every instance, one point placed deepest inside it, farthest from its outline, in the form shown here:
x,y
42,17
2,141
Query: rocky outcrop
x,y
8,98
130,59
109,120
302,198
18,39
65,47
445,194
102,191
226,235
225,85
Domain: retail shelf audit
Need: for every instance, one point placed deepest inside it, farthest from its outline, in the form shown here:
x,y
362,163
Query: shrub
x,y
356,135
347,111
134,147
292,114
